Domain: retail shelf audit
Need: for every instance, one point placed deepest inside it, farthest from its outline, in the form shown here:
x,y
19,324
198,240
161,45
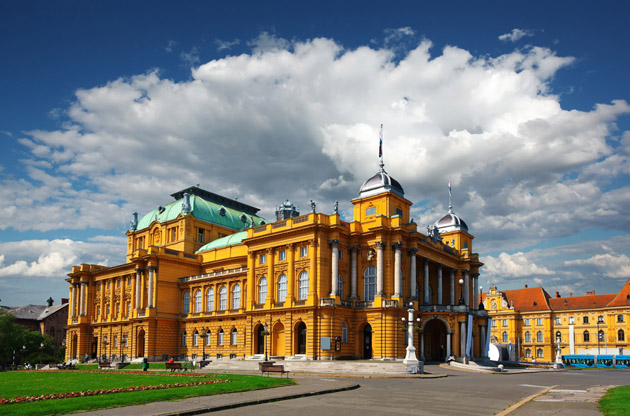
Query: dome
x,y
450,222
380,183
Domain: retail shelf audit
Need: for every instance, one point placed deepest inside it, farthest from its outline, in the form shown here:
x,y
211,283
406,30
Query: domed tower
x,y
453,230
381,195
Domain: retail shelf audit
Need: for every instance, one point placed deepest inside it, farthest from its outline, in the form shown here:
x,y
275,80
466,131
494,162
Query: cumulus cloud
x,y
299,120
609,265
515,34
513,265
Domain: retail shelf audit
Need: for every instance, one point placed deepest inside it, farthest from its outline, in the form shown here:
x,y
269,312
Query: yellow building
x,y
532,322
206,275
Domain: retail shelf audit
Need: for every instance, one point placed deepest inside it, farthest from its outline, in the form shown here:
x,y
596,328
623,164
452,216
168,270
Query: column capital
x,y
139,270
269,250
75,284
151,268
83,282
354,248
397,245
313,242
412,251
334,242
379,244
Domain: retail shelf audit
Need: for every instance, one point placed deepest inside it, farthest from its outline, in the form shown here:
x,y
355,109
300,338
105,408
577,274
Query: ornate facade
x,y
533,322
206,275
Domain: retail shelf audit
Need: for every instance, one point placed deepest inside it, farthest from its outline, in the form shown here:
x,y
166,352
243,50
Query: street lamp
x,y
598,338
481,307
266,333
411,361
203,343
461,292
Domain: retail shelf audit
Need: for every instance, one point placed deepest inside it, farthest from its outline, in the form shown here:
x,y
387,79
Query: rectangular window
x,y
527,323
109,285
504,323
115,341
538,321
399,212
220,337
619,318
282,255
118,309
303,251
600,319
128,309
129,281
585,320
263,258
558,321
370,211
118,283
494,323
200,234
340,254
571,320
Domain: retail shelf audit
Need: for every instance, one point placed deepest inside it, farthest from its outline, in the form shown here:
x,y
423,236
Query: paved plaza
x,y
567,392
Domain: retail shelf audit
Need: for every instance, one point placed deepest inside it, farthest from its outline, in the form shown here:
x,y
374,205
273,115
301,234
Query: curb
x,y
255,402
525,400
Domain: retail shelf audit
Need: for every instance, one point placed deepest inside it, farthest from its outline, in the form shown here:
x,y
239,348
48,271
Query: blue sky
x,y
523,106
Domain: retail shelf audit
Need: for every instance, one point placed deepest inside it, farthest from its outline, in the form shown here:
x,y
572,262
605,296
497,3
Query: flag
x,y
380,142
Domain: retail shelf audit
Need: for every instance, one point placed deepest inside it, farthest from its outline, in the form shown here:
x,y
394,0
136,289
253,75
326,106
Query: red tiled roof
x,y
581,302
528,299
623,297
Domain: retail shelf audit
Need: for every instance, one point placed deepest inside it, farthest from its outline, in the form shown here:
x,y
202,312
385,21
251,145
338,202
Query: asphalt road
x,y
461,393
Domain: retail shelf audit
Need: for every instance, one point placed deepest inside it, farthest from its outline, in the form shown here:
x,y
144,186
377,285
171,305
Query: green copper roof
x,y
230,240
204,210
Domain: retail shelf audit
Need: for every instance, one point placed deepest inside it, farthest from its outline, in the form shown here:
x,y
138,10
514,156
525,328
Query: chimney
x,y
525,286
557,294
64,301
571,294
590,292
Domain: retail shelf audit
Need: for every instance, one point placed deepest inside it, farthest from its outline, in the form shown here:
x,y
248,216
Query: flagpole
x,y
380,147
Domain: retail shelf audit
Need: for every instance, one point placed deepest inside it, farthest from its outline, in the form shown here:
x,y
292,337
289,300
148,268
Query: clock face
x,y
493,305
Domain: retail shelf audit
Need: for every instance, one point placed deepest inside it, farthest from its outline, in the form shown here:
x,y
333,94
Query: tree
x,y
18,344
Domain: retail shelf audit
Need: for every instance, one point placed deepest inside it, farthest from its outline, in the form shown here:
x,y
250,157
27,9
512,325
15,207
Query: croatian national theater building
x,y
533,323
206,275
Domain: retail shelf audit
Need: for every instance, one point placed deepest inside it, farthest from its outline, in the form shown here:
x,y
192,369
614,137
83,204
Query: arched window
x,y
340,285
198,301
187,302
208,337
539,353
262,290
539,336
223,298
195,338
282,288
184,339
344,333
234,336
621,336
303,286
504,337
220,337
528,337
558,336
236,296
210,300
528,353
587,336
369,283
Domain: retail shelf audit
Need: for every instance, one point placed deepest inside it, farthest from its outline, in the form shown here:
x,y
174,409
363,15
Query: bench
x,y
104,364
65,366
175,366
273,368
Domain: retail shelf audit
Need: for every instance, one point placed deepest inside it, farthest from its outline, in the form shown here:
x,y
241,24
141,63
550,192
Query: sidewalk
x,y
307,386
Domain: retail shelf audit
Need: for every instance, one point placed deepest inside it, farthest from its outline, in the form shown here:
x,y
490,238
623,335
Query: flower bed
x,y
98,392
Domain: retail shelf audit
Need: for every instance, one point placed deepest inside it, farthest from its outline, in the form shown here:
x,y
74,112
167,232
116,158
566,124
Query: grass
x,y
27,383
616,402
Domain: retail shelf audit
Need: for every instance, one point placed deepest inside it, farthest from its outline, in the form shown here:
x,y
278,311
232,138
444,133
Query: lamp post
x,y
598,337
558,363
481,307
203,343
411,361
105,347
266,333
461,292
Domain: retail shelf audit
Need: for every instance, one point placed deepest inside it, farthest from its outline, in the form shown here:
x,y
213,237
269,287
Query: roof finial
x,y
380,149
450,203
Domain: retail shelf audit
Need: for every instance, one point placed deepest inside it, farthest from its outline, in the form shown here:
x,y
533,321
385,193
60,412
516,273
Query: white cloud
x,y
515,34
225,44
609,265
512,265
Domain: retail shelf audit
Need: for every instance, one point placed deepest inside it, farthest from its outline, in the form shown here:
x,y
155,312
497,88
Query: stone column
x,y
462,339
271,281
83,301
413,284
138,288
439,277
75,301
334,272
151,286
290,274
353,272
482,341
379,268
397,266
448,344
475,277
426,282
452,298
466,288
312,276
251,283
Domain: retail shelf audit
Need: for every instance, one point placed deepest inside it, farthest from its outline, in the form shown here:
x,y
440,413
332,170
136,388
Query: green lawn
x,y
616,402
27,383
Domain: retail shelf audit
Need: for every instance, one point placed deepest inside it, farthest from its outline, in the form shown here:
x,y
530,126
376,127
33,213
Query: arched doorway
x,y
260,339
367,342
300,339
435,346
94,353
277,337
140,344
73,351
